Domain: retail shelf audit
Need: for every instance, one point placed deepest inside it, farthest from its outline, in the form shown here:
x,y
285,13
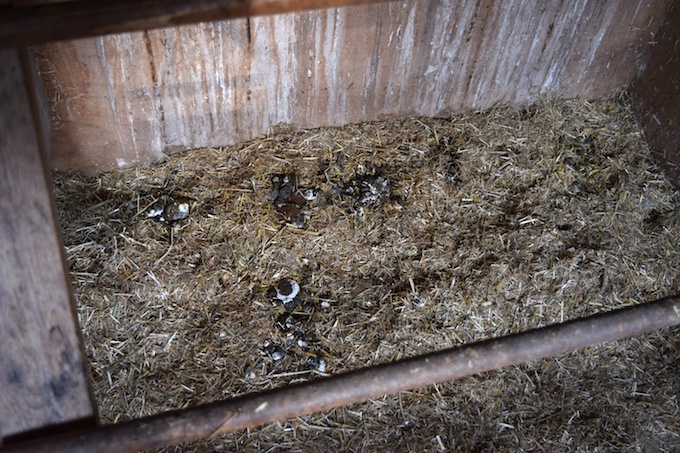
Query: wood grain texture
x,y
43,378
126,99
656,92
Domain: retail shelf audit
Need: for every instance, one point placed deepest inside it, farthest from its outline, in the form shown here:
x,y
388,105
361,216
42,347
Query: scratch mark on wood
x,y
149,51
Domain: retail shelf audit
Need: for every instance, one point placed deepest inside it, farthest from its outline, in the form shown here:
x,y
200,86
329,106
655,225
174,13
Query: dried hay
x,y
494,222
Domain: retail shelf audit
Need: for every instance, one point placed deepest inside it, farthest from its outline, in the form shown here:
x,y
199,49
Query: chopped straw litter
x,y
405,237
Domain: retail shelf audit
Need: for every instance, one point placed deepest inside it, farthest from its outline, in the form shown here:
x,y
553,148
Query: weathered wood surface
x,y
657,94
43,377
126,99
85,18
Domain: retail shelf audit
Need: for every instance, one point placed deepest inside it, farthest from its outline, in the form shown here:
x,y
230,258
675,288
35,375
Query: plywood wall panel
x,y
656,92
126,99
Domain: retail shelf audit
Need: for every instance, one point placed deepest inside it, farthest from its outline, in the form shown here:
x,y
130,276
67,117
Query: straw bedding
x,y
405,237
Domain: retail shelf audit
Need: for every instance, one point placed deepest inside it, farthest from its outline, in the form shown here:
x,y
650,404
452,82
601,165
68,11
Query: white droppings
x,y
262,406
294,291
153,212
183,210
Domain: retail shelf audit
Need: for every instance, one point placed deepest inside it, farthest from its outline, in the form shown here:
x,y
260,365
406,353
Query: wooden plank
x,y
43,379
128,99
86,18
656,92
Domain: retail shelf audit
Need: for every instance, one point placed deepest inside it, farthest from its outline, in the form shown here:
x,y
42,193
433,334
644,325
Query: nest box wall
x,y
656,92
127,99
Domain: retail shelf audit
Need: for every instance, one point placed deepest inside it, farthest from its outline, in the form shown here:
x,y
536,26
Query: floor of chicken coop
x,y
404,237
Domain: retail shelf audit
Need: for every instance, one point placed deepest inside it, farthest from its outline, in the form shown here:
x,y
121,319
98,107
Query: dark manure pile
x,y
226,271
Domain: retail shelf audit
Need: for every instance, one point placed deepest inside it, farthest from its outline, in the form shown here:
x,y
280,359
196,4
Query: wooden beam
x,y
87,18
43,375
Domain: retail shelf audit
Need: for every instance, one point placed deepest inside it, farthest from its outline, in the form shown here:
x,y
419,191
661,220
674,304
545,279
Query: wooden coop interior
x,y
94,86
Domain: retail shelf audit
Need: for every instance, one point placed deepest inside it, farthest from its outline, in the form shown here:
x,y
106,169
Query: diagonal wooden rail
x,y
324,394
85,18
